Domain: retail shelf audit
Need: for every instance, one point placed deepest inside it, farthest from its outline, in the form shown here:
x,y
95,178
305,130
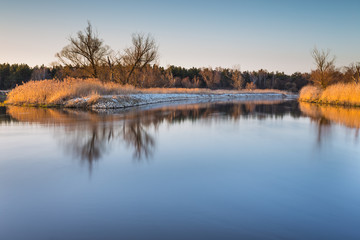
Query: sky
x,y
272,35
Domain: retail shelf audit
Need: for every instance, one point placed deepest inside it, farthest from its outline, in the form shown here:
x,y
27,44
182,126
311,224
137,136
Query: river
x,y
226,170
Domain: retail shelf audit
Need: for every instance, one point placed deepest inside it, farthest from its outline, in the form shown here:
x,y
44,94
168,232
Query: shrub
x,y
250,86
310,93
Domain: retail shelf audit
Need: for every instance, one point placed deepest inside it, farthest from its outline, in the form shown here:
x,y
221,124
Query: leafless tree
x,y
143,51
237,79
325,67
211,77
234,74
86,50
354,71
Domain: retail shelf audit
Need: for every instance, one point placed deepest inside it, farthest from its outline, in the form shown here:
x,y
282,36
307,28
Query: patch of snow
x,y
131,100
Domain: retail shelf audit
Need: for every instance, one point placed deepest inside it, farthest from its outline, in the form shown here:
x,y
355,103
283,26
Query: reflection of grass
x,y
52,116
349,117
55,93
337,94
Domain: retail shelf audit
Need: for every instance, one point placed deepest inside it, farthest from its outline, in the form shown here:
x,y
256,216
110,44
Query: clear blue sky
x,y
273,35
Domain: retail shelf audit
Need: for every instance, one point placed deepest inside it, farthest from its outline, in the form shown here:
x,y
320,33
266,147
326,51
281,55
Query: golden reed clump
x,y
55,92
337,94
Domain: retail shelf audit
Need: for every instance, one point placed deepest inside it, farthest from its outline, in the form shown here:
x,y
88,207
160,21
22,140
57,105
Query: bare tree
x,y
212,78
144,51
234,74
237,79
354,71
85,50
322,76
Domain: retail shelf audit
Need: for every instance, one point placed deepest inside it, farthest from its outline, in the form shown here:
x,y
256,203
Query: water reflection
x,y
5,118
325,115
223,170
89,135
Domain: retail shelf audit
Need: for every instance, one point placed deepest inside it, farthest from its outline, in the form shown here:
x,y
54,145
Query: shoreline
x,y
122,101
135,100
332,103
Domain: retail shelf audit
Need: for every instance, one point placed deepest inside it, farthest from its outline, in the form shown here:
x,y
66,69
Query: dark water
x,y
265,170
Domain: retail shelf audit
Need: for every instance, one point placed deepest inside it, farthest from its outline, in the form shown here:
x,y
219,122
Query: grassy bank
x,y
53,92
57,93
345,94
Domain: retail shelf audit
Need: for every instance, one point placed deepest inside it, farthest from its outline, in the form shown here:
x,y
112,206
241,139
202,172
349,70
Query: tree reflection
x,y
323,129
88,136
136,135
89,146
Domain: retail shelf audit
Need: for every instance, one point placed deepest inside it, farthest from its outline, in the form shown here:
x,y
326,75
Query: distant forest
x,y
155,76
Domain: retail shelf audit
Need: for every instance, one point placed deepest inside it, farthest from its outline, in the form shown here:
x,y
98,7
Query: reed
x,y
346,94
54,92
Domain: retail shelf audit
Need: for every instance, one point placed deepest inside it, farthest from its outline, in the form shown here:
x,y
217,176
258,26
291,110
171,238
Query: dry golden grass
x,y
54,92
309,94
343,94
93,97
338,94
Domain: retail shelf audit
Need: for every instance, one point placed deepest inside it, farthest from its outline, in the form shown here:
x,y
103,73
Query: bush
x,y
310,93
250,86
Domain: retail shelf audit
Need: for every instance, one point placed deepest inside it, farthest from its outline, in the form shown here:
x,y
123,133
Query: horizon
x,y
276,36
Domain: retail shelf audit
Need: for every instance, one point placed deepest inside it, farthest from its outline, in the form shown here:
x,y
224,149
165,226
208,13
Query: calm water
x,y
254,170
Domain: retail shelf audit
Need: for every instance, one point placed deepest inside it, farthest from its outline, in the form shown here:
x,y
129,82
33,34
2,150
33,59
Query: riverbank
x,y
132,100
341,94
92,94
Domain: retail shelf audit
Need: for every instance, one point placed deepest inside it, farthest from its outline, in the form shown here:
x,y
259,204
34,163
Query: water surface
x,y
232,170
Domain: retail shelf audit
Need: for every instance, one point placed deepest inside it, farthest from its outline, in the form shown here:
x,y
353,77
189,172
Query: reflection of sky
x,y
275,35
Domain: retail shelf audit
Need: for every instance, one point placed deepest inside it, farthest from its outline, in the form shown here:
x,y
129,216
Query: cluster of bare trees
x,y
326,73
88,52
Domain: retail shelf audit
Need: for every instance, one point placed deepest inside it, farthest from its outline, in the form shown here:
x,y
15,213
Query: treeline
x,y
11,75
156,76
17,74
